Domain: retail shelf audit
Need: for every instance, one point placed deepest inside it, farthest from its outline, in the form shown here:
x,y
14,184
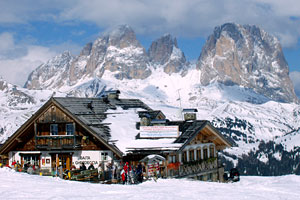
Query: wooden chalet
x,y
68,131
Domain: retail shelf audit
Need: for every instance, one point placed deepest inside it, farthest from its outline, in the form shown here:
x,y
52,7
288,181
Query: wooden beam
x,y
211,137
19,140
221,147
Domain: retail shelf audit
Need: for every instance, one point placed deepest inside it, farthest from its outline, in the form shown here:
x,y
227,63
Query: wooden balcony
x,y
198,167
58,142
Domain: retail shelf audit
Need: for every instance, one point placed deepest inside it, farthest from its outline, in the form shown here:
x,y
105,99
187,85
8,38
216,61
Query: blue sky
x,y
31,31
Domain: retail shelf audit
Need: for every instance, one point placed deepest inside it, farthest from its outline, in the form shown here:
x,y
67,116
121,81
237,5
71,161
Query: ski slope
x,y
15,185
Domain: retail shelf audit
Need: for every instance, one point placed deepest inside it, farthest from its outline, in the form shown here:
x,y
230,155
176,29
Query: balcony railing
x,y
58,142
198,167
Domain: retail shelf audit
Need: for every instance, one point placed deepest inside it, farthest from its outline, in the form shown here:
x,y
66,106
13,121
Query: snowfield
x,y
15,185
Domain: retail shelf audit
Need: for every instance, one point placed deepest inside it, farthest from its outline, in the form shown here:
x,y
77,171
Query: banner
x,y
158,131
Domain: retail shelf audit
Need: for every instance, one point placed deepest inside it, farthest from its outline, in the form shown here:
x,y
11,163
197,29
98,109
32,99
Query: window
x,y
198,154
104,156
70,129
174,159
170,158
212,151
53,129
184,157
205,153
31,159
191,154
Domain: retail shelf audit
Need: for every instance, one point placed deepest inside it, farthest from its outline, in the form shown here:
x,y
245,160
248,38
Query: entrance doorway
x,y
65,160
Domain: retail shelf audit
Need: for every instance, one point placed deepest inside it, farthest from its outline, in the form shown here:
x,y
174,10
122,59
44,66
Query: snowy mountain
x,y
52,74
240,83
247,56
165,52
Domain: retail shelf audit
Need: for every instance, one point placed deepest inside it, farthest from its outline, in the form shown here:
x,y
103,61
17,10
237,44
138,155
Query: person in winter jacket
x,y
73,167
139,172
126,169
91,167
13,164
30,170
123,176
82,167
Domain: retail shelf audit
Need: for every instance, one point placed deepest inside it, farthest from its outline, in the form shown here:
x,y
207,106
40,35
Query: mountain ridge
x,y
234,54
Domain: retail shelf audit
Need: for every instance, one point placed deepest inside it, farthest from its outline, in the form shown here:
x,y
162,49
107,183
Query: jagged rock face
x,y
13,94
164,51
119,52
3,85
51,75
246,56
86,50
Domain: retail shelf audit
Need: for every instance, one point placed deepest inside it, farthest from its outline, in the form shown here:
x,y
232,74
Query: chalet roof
x,y
191,128
92,111
188,129
189,110
89,112
152,114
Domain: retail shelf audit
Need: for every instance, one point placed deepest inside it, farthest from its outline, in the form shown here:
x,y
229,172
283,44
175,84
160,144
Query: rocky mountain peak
x,y
3,84
86,49
118,51
164,51
161,49
248,56
52,74
121,37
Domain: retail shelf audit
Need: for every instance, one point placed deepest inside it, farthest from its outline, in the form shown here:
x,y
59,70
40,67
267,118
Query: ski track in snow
x,y
15,185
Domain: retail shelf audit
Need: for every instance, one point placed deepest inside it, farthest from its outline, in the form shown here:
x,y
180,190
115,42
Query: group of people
x,y
83,167
132,175
126,174
28,167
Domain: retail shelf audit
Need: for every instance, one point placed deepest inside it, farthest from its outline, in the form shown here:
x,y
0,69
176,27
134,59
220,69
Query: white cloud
x,y
18,60
193,18
190,18
7,41
295,77
16,70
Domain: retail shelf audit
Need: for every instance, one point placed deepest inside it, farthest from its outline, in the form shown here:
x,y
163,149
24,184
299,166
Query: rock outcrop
x,y
164,51
246,56
53,74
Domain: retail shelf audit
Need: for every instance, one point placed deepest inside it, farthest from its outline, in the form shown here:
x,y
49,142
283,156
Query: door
x,y
61,159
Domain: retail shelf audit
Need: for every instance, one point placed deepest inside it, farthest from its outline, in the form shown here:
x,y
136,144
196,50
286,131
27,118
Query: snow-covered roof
x,y
123,129
93,111
116,121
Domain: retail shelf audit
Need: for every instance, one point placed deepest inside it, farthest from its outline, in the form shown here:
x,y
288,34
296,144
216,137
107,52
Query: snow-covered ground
x,y
15,185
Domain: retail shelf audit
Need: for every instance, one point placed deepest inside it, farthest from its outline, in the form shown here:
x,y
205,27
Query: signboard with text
x,y
158,131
